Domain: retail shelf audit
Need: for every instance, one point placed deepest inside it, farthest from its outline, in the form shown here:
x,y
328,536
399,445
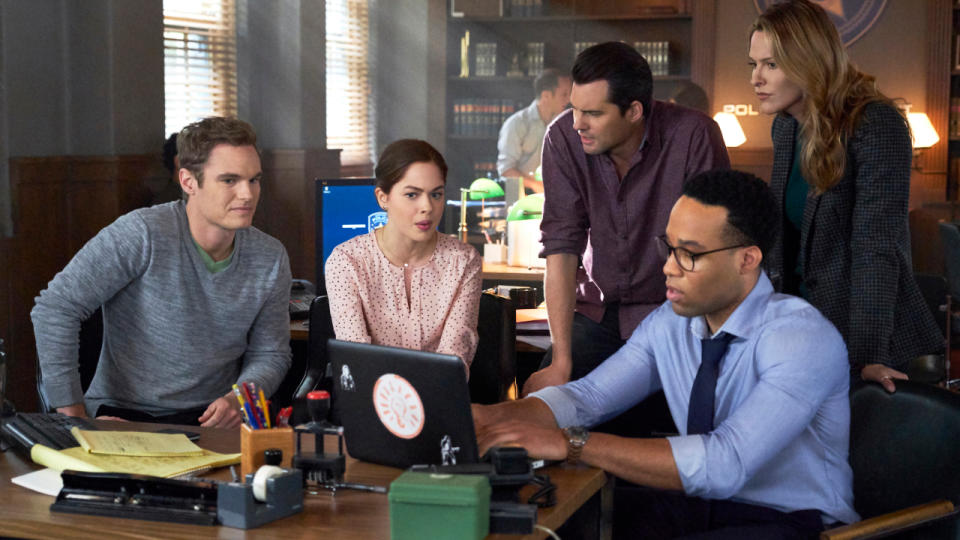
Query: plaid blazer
x,y
855,243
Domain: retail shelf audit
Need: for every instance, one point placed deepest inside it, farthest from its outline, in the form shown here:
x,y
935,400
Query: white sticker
x,y
398,406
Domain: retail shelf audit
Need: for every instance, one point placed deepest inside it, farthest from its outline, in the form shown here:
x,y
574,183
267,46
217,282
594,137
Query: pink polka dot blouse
x,y
368,297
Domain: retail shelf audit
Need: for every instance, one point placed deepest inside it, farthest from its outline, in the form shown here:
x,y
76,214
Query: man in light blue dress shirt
x,y
521,137
774,464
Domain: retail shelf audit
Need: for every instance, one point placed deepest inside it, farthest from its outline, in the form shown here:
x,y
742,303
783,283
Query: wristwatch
x,y
577,437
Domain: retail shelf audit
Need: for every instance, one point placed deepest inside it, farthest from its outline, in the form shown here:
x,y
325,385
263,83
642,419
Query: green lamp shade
x,y
485,188
538,174
529,207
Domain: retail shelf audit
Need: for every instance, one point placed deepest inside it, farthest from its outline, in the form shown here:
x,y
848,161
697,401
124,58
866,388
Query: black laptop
x,y
402,407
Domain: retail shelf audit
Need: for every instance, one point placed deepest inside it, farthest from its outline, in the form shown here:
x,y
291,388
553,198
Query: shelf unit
x,y
688,29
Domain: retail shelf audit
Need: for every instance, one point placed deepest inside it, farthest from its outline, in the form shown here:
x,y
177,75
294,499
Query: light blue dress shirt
x,y
782,411
521,141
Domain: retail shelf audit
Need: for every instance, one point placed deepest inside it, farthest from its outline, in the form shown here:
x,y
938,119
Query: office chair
x,y
950,236
91,343
904,450
316,373
494,367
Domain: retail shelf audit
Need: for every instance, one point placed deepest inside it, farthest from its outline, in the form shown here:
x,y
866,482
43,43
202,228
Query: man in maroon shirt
x,y
613,166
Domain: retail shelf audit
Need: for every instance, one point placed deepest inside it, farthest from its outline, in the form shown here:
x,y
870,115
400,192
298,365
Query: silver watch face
x,y
578,434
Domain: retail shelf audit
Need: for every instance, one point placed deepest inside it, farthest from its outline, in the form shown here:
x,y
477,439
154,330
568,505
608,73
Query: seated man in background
x,y
194,298
756,382
521,136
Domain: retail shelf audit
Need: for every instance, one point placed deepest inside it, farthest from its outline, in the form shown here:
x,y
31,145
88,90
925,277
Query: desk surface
x,y
502,272
347,515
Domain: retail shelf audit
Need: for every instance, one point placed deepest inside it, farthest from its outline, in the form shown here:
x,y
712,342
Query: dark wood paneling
x,y
59,203
756,161
286,209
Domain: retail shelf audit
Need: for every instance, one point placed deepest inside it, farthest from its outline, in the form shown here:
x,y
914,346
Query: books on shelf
x,y
657,54
481,117
535,51
524,8
953,126
579,46
486,169
485,59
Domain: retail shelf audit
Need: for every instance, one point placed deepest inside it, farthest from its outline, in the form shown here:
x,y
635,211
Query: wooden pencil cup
x,y
254,441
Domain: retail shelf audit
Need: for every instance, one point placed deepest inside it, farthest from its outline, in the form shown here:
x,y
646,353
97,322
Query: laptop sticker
x,y
448,451
398,406
346,379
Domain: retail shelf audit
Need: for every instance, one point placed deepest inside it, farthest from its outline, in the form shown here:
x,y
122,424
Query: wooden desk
x,y
299,330
347,515
502,272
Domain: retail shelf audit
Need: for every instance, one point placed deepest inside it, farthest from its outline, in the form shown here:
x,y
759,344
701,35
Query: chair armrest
x,y
893,521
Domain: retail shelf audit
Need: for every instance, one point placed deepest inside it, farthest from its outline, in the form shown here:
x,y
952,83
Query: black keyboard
x,y
50,430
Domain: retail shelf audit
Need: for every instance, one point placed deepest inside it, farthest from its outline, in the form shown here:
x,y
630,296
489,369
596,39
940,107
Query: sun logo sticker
x,y
398,406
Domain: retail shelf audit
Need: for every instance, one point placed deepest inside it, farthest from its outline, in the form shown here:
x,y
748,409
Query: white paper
x,y
46,481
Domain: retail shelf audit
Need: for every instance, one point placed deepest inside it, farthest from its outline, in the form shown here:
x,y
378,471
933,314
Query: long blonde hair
x,y
807,47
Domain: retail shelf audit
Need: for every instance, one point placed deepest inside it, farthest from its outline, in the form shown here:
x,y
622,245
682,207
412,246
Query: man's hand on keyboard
x,y
222,413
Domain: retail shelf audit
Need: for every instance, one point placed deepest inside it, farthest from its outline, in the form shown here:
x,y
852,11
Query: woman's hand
x,y
882,374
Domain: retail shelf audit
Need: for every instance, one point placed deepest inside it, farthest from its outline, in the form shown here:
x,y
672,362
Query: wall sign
x,y
853,18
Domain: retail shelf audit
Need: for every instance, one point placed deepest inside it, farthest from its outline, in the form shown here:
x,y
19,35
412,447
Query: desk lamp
x,y
523,219
480,189
529,207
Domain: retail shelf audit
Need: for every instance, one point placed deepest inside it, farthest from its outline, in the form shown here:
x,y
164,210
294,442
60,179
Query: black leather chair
x,y
91,343
316,374
905,455
494,367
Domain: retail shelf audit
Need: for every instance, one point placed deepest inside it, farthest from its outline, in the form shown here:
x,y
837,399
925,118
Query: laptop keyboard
x,y
50,430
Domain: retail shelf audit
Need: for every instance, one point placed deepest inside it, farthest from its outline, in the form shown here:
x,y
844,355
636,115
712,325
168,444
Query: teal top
x,y
794,200
212,266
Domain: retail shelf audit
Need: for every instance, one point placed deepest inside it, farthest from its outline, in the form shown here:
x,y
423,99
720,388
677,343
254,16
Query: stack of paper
x,y
154,454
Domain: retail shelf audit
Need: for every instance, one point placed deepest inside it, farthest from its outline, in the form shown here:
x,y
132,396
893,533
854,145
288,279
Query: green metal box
x,y
439,506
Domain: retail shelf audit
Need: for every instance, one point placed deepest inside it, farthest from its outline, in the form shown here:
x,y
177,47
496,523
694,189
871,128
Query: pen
x,y
250,405
243,408
264,408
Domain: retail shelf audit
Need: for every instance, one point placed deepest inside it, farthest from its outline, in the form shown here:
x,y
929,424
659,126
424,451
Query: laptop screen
x,y
346,207
402,407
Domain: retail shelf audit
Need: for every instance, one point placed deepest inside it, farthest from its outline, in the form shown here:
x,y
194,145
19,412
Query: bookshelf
x,y
511,40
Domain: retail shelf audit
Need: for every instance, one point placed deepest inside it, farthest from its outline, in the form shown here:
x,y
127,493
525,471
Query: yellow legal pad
x,y
78,459
135,443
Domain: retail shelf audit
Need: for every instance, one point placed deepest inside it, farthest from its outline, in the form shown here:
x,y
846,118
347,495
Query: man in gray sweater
x,y
194,298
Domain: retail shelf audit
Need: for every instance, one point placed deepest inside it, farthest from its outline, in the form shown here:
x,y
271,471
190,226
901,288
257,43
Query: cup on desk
x,y
494,253
254,441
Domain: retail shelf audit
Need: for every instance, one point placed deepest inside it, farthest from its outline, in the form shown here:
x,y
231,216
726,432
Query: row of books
x,y
485,59
481,117
535,51
953,126
657,54
524,8
486,169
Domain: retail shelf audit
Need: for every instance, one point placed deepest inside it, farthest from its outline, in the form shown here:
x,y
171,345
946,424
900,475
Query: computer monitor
x,y
346,207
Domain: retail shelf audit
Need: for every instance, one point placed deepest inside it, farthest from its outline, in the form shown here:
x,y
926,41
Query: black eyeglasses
x,y
684,257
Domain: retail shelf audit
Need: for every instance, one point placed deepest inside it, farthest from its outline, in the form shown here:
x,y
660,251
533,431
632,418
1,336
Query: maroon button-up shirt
x,y
612,224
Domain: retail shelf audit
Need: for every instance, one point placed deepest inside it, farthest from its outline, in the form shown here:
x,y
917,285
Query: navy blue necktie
x,y
703,394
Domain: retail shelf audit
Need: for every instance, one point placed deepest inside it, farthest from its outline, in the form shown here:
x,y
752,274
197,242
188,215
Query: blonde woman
x,y
841,175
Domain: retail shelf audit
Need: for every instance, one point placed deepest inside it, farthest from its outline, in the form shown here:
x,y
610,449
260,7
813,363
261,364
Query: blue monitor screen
x,y
348,208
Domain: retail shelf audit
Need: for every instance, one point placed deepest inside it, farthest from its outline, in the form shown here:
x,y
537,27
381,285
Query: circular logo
x,y
398,406
853,18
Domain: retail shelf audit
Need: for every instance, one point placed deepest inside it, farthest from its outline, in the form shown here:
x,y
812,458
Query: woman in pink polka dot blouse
x,y
405,284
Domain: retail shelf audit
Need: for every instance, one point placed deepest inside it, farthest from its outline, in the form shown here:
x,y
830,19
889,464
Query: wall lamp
x,y
733,135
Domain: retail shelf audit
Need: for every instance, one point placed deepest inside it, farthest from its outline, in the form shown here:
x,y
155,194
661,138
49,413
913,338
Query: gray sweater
x,y
175,336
